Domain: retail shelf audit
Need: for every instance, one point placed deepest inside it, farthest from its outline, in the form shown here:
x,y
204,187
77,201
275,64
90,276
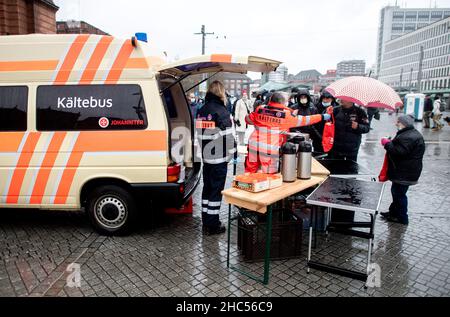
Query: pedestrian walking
x,y
427,111
405,163
243,109
437,114
218,148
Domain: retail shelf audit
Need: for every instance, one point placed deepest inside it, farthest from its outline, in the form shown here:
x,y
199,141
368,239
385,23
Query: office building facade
x,y
404,68
396,21
351,68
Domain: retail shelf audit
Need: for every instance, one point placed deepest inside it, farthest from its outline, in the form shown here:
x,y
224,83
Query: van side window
x,y
90,107
13,108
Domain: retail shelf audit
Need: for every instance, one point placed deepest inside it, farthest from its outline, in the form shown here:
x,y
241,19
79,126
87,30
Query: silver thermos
x,y
304,160
288,162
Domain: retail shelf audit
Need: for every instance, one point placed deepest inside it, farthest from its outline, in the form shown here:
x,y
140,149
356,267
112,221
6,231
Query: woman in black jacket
x,y
216,134
405,153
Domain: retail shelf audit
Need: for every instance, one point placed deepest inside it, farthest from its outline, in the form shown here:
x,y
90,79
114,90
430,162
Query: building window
x,y
398,15
13,108
90,107
410,27
424,15
436,15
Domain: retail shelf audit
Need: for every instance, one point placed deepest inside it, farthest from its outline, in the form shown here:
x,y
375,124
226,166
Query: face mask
x,y
303,101
192,100
326,104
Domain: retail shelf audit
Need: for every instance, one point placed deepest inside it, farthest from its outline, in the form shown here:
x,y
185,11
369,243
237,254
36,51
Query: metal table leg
x,y
268,228
315,211
310,243
370,248
268,245
229,236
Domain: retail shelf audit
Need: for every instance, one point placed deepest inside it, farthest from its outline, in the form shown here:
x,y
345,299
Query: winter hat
x,y
407,120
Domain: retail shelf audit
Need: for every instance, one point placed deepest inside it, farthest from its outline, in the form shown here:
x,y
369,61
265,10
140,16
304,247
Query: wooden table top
x,y
259,201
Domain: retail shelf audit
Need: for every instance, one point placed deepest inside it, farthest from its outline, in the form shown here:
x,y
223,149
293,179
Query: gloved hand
x,y
326,117
385,141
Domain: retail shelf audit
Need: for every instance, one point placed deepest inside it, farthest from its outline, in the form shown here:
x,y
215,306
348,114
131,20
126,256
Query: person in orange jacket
x,y
272,122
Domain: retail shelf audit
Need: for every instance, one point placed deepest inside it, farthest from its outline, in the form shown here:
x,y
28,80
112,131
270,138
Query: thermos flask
x,y
304,160
297,139
288,162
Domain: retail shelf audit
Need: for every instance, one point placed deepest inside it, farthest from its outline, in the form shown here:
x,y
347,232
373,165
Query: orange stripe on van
x,y
108,141
21,168
121,141
136,63
67,177
120,63
221,58
70,59
10,141
46,168
96,59
26,66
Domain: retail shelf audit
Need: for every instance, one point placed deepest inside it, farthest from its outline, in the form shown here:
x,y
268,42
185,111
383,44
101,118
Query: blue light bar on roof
x,y
141,37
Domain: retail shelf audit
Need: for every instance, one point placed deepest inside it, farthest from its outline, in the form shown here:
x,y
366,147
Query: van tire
x,y
111,210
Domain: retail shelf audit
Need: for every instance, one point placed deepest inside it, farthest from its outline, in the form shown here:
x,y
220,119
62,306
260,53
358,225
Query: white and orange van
x,y
88,121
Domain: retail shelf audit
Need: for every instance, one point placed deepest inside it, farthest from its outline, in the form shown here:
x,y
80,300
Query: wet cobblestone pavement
x,y
172,258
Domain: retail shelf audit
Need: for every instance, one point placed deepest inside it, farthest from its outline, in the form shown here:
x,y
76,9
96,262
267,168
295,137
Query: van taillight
x,y
173,173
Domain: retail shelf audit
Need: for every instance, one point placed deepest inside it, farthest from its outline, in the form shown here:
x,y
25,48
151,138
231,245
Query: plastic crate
x,y
302,210
286,236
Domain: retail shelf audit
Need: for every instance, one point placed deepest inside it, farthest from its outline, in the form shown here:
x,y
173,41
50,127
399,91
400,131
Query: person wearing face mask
x,y
271,123
193,104
243,108
293,100
405,162
305,107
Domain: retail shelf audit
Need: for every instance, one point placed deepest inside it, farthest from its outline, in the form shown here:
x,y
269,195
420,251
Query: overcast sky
x,y
304,34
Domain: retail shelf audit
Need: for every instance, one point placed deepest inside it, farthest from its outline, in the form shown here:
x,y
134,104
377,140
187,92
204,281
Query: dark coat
x,y
405,154
222,138
315,131
428,106
347,140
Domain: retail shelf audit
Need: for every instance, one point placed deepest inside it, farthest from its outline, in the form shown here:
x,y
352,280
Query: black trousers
x,y
334,155
399,206
214,178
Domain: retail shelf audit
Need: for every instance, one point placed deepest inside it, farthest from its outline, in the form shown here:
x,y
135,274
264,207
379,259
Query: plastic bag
x,y
383,177
328,135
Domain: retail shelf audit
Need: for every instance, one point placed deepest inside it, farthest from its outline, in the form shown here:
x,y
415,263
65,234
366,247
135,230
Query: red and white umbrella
x,y
365,91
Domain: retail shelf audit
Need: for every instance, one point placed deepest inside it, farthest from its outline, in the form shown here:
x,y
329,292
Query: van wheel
x,y
111,210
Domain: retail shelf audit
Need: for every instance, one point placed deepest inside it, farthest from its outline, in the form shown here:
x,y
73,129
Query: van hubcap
x,y
110,211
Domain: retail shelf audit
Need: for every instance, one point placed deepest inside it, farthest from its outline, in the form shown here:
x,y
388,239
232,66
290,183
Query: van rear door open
x,y
220,63
177,106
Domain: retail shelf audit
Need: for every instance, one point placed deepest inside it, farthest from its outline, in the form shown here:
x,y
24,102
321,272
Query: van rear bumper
x,y
169,195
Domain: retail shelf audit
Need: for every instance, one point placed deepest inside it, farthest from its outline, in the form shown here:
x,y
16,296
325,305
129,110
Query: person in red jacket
x,y
272,122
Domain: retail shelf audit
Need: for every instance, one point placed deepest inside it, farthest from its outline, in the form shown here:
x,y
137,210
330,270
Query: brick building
x,y
77,27
27,16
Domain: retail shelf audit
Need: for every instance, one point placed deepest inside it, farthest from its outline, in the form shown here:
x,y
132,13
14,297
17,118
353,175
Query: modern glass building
x,y
396,21
404,66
